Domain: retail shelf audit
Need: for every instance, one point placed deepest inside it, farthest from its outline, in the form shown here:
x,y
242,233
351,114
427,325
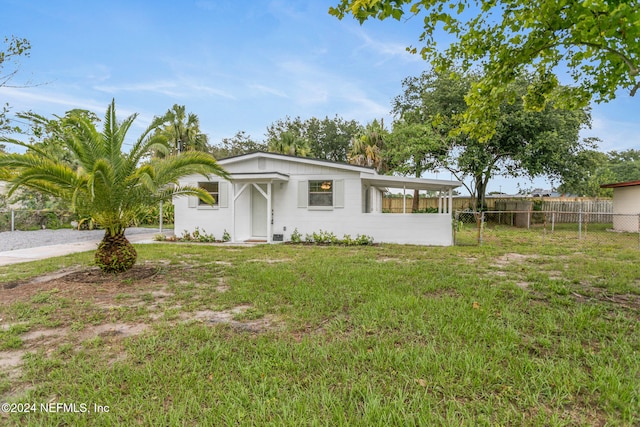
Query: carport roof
x,y
387,181
621,184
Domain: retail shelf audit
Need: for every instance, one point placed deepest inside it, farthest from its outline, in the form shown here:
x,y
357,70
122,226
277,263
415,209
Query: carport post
x,y
13,220
404,199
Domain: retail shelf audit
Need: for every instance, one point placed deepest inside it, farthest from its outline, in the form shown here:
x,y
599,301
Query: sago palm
x,y
106,183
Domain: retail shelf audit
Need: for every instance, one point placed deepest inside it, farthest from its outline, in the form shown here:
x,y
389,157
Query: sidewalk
x,y
42,252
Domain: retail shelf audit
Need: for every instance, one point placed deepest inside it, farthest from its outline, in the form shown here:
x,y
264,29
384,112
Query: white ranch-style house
x,y
269,195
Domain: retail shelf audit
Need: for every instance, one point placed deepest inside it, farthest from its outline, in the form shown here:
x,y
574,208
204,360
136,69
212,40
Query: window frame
x,y
214,194
313,196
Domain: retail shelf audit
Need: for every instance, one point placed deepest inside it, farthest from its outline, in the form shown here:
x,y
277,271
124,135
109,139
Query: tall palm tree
x,y
291,144
111,186
366,148
182,132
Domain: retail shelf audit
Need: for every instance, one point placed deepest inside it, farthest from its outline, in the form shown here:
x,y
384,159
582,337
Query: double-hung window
x,y
213,189
321,193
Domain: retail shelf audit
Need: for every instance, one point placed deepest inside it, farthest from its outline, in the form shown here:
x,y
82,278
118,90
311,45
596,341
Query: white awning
x,y
259,177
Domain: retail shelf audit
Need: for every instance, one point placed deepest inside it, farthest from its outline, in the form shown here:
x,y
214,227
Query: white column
x,y
269,225
233,212
404,199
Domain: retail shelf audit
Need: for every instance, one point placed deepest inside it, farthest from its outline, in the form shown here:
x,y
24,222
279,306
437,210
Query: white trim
x,y
408,182
303,160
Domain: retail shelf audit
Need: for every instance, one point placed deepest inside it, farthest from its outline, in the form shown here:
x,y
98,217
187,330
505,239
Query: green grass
x,y
512,334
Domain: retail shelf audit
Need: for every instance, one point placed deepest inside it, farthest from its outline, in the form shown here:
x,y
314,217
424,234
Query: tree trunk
x,y
415,206
481,188
115,254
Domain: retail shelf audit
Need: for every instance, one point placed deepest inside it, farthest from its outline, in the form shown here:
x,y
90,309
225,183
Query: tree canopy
x,y
327,139
595,43
14,49
240,143
592,168
366,148
526,143
182,131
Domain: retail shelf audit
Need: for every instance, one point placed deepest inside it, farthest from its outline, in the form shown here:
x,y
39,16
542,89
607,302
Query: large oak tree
x,y
526,143
593,42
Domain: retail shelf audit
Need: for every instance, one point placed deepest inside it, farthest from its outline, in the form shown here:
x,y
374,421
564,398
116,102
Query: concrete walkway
x,y
42,252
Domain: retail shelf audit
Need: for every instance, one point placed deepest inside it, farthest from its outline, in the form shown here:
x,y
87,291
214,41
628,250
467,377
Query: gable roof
x,y
621,184
305,160
367,174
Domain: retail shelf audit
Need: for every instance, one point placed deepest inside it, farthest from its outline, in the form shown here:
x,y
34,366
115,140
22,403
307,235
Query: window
x,y
213,189
321,193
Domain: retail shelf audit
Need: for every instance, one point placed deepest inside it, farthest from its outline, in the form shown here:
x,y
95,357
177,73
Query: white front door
x,y
258,212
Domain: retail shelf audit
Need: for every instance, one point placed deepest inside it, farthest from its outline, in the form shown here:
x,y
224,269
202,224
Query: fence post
x,y
456,218
160,216
480,229
13,220
580,223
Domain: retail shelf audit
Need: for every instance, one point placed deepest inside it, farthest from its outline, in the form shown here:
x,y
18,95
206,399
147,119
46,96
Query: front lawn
x,y
307,335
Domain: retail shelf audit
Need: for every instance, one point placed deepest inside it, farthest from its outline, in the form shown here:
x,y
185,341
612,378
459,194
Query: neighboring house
x,y
270,195
626,205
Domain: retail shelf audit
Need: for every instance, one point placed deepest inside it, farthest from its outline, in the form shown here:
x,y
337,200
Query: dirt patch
x,y
88,304
227,317
270,261
512,258
85,284
395,260
10,359
628,301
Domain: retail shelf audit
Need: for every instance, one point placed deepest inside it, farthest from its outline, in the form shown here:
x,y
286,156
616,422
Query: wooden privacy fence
x,y
394,204
568,209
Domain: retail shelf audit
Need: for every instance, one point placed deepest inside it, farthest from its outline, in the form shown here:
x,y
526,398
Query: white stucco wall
x,y
626,207
425,229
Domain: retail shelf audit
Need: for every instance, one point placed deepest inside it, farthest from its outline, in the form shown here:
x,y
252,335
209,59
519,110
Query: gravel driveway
x,y
11,240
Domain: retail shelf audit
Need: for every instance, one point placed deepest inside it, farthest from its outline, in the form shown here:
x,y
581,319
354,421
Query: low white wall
x,y
210,220
417,229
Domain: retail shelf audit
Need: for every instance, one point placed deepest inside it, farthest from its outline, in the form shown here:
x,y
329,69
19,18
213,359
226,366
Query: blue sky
x,y
240,65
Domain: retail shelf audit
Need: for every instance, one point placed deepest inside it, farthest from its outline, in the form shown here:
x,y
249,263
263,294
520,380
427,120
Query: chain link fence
x,y
38,219
502,227
29,219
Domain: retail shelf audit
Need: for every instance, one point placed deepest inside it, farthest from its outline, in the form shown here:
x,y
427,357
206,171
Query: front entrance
x,y
258,211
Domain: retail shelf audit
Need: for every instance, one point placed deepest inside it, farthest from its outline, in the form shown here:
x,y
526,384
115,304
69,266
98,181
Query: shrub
x,y
329,238
296,237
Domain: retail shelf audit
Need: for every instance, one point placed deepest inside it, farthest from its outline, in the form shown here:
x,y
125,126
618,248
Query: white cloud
x,y
268,90
39,100
161,87
387,49
172,89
